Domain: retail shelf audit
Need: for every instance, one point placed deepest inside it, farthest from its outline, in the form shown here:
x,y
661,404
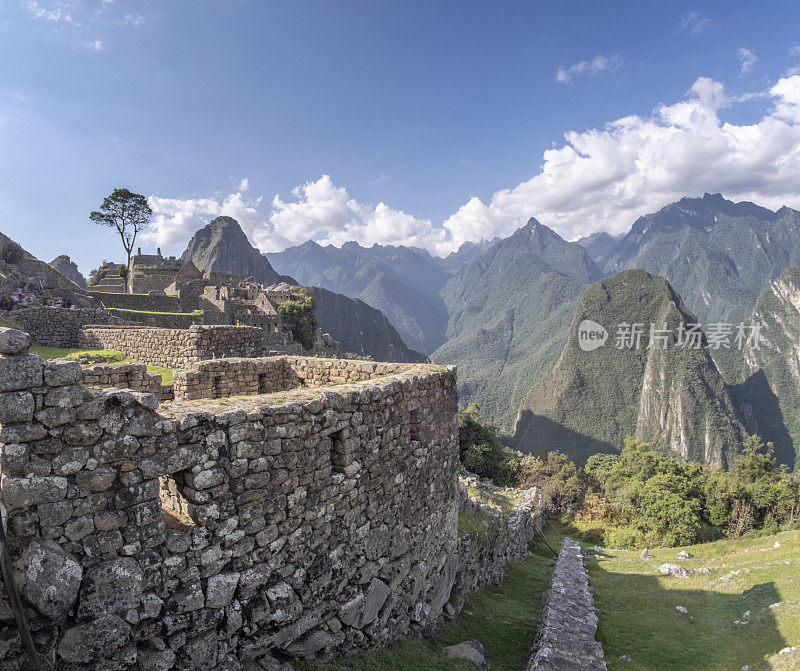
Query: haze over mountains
x,y
505,311
508,308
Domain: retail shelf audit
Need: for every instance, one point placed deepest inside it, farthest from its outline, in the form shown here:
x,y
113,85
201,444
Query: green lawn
x,y
504,618
638,617
104,355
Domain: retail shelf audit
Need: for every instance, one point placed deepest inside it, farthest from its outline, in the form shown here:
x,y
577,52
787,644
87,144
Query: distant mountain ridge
x,y
719,255
510,310
69,269
360,329
401,282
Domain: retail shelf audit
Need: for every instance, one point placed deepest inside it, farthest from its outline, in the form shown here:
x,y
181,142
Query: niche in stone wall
x,y
176,509
341,452
264,386
414,424
216,386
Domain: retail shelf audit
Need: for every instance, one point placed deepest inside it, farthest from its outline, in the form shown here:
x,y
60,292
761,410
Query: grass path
x,y
638,616
504,618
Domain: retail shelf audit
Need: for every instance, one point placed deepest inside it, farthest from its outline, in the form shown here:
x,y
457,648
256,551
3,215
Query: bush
x,y
480,449
299,317
562,483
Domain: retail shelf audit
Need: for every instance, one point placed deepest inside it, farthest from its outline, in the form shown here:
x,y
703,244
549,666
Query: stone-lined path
x,y
565,641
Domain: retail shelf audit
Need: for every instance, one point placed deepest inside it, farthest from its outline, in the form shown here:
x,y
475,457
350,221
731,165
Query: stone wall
x,y
132,376
484,556
201,535
165,320
177,348
59,327
139,302
569,620
219,378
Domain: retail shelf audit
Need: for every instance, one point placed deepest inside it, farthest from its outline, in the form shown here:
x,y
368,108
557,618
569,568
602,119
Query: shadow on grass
x,y
638,617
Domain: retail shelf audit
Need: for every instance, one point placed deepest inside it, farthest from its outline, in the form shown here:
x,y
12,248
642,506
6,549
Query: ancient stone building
x,y
302,520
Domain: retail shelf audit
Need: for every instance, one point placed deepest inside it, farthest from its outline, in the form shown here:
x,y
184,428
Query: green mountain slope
x,y
674,398
719,255
359,328
510,311
769,399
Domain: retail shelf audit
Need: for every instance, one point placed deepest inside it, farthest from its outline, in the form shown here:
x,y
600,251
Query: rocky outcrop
x,y
69,269
769,398
565,641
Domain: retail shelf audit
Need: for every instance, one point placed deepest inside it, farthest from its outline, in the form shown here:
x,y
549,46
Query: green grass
x,y
504,618
638,617
499,500
104,355
166,374
195,313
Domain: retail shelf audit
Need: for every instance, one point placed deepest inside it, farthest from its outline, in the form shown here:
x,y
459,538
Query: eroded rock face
x,y
49,579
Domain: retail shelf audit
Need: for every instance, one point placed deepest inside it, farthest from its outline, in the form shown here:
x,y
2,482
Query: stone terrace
x,y
207,533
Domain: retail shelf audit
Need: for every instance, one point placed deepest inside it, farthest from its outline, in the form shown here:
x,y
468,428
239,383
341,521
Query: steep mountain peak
x,y
670,395
222,246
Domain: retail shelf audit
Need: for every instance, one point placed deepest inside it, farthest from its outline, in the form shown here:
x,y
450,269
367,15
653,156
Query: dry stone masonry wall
x,y
565,641
132,376
60,327
176,348
203,534
219,378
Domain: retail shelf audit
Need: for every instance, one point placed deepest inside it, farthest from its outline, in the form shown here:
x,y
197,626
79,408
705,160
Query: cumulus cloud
x,y
95,45
592,68
606,178
747,60
598,179
244,184
693,23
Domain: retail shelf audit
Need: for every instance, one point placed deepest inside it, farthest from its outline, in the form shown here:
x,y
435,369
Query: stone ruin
x,y
315,516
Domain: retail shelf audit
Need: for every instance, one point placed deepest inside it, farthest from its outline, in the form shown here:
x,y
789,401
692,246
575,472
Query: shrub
x,y
299,317
481,451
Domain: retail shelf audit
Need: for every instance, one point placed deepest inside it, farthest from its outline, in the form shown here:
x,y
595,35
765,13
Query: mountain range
x,y
402,282
360,329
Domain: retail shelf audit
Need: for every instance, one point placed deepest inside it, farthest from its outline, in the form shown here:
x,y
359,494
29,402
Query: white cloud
x,y
593,67
57,14
693,23
599,179
244,185
747,59
606,178
95,45
134,20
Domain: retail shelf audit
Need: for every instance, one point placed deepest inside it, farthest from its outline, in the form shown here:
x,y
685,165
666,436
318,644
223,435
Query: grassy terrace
x,y
638,616
504,618
99,355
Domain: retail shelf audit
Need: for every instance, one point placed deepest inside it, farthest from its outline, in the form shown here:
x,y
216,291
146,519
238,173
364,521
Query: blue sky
x,y
418,122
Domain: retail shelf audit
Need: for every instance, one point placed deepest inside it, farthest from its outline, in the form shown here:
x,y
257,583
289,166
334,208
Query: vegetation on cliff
x,y
664,392
298,315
